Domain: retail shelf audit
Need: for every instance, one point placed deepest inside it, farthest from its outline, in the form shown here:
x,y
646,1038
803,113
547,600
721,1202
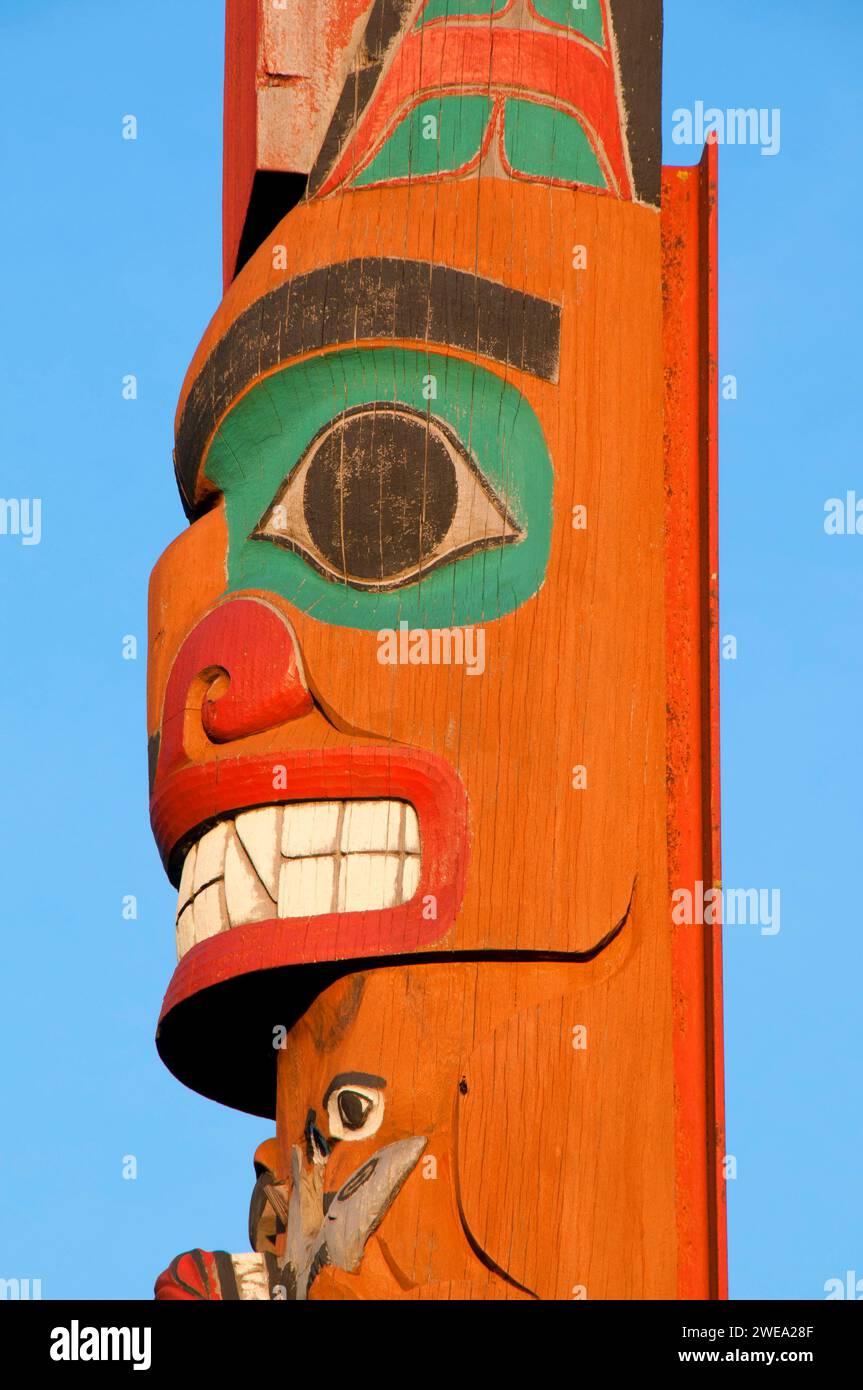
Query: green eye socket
x,y
384,495
374,485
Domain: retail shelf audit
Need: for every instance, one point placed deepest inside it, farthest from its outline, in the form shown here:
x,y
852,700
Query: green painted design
x,y
585,16
268,431
436,137
458,9
548,143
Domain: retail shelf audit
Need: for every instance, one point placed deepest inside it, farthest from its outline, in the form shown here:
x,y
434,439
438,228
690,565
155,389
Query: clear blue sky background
x,y
110,252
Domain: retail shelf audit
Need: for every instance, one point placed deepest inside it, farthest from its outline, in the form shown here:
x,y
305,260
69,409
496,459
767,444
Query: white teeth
x,y
306,886
245,894
186,881
369,881
260,832
410,875
210,857
412,831
185,931
211,912
311,827
370,825
301,860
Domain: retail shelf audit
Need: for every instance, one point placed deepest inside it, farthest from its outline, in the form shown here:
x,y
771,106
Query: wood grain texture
x,y
548,1166
596,623
468,393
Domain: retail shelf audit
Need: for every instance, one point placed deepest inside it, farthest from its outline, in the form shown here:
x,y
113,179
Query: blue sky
x,y
112,265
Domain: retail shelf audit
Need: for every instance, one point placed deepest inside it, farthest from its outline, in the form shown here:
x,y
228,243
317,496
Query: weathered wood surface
x,y
432,700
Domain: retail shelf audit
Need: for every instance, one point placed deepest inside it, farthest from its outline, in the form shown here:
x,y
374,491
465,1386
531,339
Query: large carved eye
x,y
383,495
354,1111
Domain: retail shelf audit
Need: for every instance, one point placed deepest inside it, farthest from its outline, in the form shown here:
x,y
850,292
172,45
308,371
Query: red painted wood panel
x,y
240,124
689,220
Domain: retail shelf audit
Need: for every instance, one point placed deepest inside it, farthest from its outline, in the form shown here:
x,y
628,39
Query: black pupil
x,y
380,494
353,1109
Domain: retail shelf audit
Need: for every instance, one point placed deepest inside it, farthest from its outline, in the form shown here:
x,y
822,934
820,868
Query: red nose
x,y
253,645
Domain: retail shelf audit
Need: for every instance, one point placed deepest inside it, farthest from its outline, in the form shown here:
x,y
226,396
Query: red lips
x,y
251,643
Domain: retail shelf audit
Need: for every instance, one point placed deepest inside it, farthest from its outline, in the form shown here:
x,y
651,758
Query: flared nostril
x,y
260,682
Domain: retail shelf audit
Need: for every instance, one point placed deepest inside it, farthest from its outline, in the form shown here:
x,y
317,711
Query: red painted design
x,y
250,642
461,59
428,783
192,1277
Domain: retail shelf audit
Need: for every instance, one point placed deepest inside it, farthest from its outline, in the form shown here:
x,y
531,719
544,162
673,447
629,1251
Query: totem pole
x,y
432,671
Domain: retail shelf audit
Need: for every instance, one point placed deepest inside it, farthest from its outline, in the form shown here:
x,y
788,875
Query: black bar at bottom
x,y
69,1338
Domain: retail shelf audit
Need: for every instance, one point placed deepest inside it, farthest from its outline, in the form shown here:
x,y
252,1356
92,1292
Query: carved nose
x,y
255,647
317,1148
242,669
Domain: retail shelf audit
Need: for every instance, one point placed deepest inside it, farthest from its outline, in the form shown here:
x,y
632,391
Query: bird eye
x,y
383,495
353,1109
355,1112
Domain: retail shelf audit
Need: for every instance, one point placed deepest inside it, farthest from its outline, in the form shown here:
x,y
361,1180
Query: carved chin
x,y
302,859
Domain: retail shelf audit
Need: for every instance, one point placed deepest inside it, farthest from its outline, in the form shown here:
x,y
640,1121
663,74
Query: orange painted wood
x,y
548,1168
596,627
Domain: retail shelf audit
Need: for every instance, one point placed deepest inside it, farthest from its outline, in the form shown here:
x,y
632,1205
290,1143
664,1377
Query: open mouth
x,y
299,859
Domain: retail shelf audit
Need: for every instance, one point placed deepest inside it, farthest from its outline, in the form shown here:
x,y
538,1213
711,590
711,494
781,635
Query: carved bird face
x,y
422,1110
363,1148
315,1219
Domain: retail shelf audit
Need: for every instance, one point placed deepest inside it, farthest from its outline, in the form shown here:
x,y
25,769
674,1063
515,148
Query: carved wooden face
x,y
405,662
407,689
391,573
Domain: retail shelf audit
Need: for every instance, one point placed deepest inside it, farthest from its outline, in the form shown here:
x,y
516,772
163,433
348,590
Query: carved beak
x,y
335,1230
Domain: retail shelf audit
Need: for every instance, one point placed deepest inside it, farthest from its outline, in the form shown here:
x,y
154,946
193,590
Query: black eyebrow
x,y
353,1078
376,297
